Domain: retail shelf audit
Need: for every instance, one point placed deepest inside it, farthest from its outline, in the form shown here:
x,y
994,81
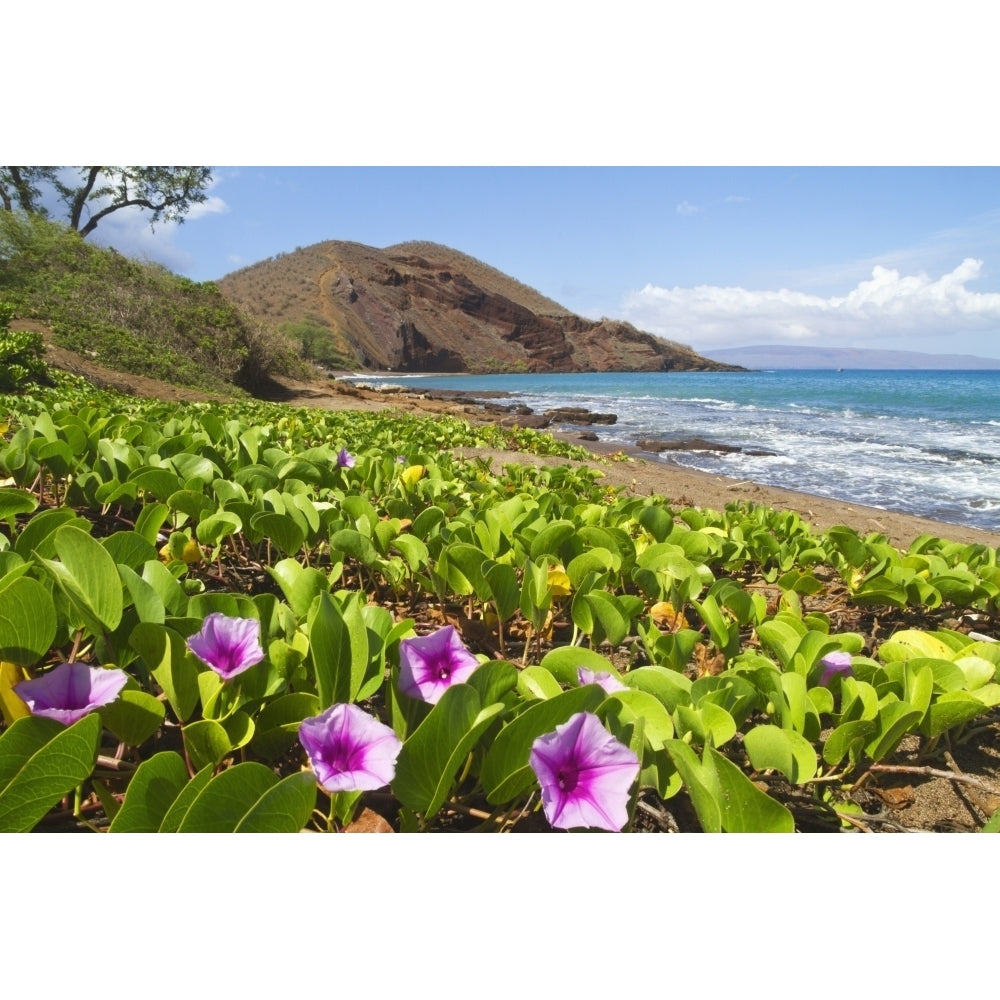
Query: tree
x,y
96,192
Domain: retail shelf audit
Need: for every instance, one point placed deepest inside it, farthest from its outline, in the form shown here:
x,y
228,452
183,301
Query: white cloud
x,y
686,208
888,305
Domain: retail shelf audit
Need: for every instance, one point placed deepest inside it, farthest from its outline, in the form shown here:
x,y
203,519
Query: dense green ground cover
x,y
742,668
133,316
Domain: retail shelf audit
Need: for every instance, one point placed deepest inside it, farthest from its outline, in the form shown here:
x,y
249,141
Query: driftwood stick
x,y
934,772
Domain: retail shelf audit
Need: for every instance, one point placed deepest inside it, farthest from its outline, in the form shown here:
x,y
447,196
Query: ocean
x,y
919,442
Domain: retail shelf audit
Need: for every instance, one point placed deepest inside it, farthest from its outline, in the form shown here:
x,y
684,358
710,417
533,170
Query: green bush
x,y
318,344
21,354
133,316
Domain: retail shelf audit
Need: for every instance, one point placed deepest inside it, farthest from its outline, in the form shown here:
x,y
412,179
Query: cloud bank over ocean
x,y
912,311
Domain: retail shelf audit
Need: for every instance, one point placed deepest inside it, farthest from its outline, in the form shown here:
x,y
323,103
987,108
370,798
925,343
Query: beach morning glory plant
x,y
430,664
71,691
585,775
837,663
345,459
349,751
228,645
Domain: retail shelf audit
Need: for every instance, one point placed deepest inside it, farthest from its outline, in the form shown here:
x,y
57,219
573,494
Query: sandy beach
x,y
644,476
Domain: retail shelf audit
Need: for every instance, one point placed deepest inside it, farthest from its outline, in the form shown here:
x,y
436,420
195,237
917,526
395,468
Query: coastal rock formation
x,y
422,307
697,444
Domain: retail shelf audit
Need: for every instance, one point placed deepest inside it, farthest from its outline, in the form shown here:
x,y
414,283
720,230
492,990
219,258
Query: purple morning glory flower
x,y
430,664
837,663
349,750
71,691
345,459
602,678
228,645
585,775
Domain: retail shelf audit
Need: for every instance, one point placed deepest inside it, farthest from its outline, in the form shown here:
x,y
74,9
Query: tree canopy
x,y
93,193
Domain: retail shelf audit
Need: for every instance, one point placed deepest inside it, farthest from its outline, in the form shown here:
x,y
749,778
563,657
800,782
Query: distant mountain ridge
x,y
423,307
779,356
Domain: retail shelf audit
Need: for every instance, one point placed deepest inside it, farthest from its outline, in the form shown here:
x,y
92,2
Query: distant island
x,y
848,358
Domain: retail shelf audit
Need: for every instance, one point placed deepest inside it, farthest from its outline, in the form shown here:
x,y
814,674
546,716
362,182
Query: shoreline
x,y
680,486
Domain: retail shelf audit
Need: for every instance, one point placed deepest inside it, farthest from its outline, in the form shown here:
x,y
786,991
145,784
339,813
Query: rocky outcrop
x,y
697,444
421,307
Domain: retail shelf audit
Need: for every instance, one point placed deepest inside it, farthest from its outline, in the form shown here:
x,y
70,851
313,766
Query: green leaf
x,y
28,621
950,710
848,740
563,662
668,686
909,643
894,721
153,789
609,620
432,755
280,529
506,594
300,585
211,530
88,576
707,724
353,543
744,808
550,538
164,652
206,742
338,648
229,797
493,680
536,682
133,717
188,794
277,725
36,537
770,747
701,784
14,502
128,548
285,808
634,704
40,762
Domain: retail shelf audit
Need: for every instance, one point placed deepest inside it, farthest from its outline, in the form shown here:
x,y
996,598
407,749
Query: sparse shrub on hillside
x,y
317,343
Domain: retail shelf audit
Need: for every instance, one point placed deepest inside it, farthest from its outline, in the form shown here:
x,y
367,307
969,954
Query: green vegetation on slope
x,y
131,316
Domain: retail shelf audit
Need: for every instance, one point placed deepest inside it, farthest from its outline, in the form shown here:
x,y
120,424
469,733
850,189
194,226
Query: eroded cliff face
x,y
421,307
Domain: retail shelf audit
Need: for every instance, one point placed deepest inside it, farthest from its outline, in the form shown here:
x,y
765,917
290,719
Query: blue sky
x,y
816,251
901,258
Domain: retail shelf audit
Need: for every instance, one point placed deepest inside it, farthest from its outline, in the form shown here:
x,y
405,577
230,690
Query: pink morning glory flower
x,y
71,691
602,678
837,663
430,664
345,459
228,645
349,750
585,775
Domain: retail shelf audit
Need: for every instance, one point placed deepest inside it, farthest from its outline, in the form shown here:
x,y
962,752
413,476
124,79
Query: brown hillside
x,y
424,307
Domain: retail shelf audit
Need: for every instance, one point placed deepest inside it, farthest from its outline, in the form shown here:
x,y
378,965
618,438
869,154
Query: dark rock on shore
x,y
695,444
579,415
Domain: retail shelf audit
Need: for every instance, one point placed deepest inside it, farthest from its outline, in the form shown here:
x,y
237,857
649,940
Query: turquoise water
x,y
921,442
